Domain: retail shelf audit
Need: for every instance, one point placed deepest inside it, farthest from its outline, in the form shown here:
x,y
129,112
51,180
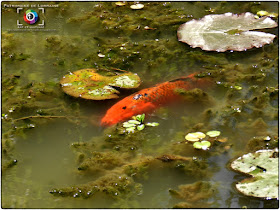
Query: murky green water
x,y
70,162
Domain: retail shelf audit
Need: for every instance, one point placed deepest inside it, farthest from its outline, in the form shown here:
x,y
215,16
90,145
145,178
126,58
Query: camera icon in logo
x,y
30,16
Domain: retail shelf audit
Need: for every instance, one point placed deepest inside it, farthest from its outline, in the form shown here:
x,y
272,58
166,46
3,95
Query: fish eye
x,y
124,107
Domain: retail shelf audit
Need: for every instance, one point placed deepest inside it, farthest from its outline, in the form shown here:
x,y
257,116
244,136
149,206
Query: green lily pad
x,y
222,32
141,127
213,133
152,124
131,129
202,145
98,84
128,125
134,122
195,136
263,167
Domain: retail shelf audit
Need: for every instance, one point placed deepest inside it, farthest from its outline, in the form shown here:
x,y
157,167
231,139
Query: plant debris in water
x,y
263,167
96,84
227,32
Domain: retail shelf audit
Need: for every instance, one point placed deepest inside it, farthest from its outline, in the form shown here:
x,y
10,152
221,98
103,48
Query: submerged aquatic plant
x,y
137,122
227,32
97,84
263,167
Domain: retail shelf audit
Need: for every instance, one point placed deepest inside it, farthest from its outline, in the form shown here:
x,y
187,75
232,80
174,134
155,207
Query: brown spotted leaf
x,y
98,84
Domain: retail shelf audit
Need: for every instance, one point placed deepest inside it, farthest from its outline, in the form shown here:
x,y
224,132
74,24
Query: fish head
x,y
125,109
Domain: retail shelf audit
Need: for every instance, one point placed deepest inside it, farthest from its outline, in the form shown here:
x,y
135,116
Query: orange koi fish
x,y
149,99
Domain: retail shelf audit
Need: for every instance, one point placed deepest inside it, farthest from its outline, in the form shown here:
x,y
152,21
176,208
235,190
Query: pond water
x,y
55,154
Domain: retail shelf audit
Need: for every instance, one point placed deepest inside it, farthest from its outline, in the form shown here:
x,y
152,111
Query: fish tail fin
x,y
202,80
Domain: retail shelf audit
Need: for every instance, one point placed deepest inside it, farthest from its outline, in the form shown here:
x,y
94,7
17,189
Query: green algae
x,y
156,56
98,162
194,195
113,185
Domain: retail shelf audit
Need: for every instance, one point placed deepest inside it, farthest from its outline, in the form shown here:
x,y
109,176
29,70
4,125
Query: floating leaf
x,y
202,145
227,32
265,13
262,13
120,3
137,6
267,138
141,127
134,122
238,87
195,136
128,125
98,84
131,129
213,133
100,55
152,124
263,166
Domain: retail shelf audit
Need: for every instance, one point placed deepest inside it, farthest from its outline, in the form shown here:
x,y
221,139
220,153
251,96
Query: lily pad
x,y
195,136
213,133
202,145
137,6
98,84
134,122
128,125
130,129
226,32
141,127
263,167
153,124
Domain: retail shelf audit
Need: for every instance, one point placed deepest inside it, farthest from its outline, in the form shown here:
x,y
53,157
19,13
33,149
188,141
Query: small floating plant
x,y
200,140
137,122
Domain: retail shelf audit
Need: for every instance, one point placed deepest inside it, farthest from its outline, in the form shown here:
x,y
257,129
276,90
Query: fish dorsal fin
x,y
186,79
